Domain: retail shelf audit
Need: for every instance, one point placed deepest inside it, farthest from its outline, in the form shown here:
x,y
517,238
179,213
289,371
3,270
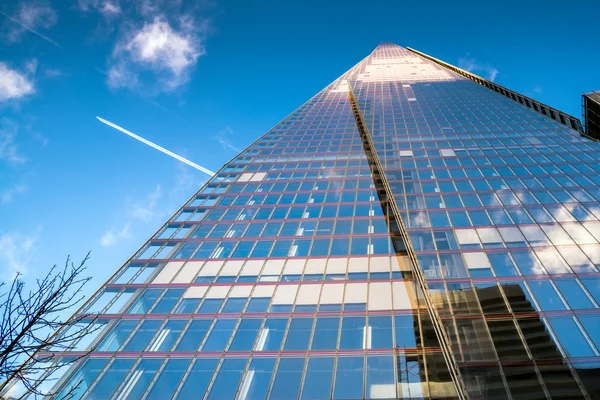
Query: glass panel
x,y
317,381
169,379
219,335
256,381
83,378
353,333
570,337
142,336
106,386
198,378
228,379
349,378
136,383
326,333
245,335
271,334
380,332
166,336
574,293
380,377
298,334
145,301
117,335
193,335
287,379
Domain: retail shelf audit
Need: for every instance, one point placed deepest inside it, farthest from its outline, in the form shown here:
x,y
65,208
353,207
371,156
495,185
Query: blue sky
x,y
204,79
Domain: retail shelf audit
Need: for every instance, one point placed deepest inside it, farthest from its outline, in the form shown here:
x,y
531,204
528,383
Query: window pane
x,y
326,333
546,295
353,333
255,383
193,335
570,337
145,301
298,334
227,380
107,385
380,332
271,334
136,383
287,379
317,382
83,378
574,293
404,331
117,335
168,380
198,378
380,377
245,335
142,336
166,336
349,378
219,335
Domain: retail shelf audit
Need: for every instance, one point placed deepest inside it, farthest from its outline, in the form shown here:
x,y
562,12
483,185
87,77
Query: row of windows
x,y
258,334
317,377
337,246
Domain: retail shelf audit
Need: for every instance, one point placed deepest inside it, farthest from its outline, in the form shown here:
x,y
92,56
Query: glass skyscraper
x,y
412,231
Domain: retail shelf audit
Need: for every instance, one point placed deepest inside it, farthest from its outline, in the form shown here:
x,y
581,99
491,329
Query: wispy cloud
x,y
16,253
14,84
113,235
146,210
167,51
7,194
472,65
222,138
31,17
105,7
136,211
8,148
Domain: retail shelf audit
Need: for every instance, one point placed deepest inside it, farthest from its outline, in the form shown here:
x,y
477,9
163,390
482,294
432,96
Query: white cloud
x,y
13,84
31,18
112,236
160,48
8,148
16,253
470,64
224,141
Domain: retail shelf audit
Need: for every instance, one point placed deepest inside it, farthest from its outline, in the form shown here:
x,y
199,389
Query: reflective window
x,y
169,379
107,385
218,336
317,382
570,336
198,378
193,336
349,378
380,383
298,334
286,384
227,380
256,381
245,335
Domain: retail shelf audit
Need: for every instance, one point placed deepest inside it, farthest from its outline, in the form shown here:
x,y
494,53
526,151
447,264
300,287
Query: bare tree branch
x,y
33,335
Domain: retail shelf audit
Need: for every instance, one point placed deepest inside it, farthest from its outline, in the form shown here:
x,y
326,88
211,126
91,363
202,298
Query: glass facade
x,y
406,233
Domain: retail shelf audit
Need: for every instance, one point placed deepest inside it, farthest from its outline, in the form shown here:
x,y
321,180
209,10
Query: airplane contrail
x,y
16,21
157,147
